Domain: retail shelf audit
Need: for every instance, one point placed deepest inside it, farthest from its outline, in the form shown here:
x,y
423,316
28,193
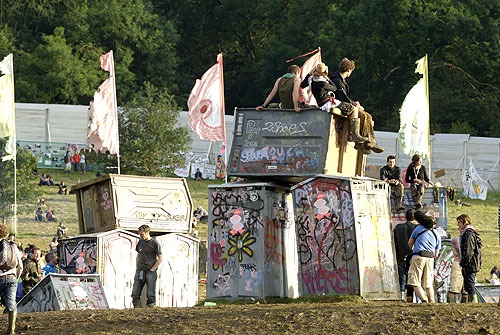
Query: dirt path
x,y
296,318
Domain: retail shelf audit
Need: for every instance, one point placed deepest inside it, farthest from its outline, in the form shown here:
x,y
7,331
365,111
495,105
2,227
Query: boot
x,y
453,298
361,147
372,145
136,303
472,298
465,298
354,132
11,328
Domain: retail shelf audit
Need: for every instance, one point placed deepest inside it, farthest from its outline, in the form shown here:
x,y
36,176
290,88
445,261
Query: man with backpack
x,y
425,245
470,255
11,267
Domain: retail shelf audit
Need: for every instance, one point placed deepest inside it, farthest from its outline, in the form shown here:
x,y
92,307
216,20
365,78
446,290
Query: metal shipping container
x,y
251,241
127,202
289,146
112,255
344,238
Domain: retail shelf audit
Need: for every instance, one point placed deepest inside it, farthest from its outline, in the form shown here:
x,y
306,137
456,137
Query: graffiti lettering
x,y
282,128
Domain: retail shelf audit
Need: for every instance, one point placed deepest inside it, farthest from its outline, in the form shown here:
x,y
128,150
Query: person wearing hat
x,y
425,245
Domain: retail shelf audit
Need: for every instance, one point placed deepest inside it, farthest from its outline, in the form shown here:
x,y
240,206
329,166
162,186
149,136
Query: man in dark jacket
x,y
392,175
402,233
470,255
346,67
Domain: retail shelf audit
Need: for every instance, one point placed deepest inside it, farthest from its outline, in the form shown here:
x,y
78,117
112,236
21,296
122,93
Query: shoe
x,y
361,147
374,147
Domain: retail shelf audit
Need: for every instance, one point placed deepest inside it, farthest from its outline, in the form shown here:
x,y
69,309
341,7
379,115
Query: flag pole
x,y
426,85
223,112
115,107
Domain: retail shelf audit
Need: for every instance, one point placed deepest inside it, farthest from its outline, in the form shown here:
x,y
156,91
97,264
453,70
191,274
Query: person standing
x,y
9,275
149,258
67,161
402,233
416,176
32,274
425,245
392,175
287,87
51,266
470,254
83,162
456,278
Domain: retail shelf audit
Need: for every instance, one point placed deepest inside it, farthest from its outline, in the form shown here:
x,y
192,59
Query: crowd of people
x,y
75,160
22,268
417,247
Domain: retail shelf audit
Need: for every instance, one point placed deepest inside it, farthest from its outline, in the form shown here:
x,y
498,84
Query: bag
x,y
8,255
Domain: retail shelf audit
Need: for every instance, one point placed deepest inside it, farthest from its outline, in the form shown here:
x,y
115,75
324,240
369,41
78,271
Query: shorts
x,y
421,272
456,278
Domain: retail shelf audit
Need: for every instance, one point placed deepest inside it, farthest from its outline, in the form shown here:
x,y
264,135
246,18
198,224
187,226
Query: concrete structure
x,y
251,241
112,256
127,202
58,292
287,146
344,238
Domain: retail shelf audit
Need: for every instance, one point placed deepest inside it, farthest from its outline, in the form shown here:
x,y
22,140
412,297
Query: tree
x,y
151,144
26,164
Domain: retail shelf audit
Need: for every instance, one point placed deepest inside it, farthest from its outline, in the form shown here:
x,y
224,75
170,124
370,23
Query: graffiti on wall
x,y
326,239
245,242
78,259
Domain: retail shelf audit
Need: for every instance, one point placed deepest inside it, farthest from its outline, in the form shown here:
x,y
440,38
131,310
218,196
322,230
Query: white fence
x,y
449,152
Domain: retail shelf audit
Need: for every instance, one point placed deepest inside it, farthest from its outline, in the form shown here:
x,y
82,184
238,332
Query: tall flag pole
x,y
206,106
103,113
8,119
414,131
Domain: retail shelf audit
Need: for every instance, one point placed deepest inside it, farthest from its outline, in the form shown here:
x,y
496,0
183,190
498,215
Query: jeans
x,y
8,288
469,282
402,277
147,278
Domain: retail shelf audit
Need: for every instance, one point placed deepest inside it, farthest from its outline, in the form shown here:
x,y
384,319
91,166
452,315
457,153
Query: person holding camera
x,y
425,245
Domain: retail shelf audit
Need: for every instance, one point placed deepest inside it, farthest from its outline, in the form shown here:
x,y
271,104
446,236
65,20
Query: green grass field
x,y
484,215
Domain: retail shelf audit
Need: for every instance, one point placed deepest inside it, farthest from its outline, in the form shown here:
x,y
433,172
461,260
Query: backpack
x,y
8,255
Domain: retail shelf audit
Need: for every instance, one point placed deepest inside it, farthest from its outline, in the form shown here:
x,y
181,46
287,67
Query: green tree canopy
x,y
150,141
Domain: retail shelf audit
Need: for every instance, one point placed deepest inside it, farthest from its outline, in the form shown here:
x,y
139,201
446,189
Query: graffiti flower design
x,y
241,244
236,221
320,204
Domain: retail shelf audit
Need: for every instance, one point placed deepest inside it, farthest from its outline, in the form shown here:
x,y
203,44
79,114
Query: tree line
x,y
168,44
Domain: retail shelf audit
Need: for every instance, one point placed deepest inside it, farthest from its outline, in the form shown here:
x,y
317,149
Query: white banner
x,y
474,186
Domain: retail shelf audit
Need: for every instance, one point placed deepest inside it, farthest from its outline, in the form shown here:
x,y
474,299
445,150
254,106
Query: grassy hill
x,y
484,215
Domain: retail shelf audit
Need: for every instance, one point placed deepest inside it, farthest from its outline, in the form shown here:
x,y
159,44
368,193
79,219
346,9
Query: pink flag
x,y
206,105
103,116
306,68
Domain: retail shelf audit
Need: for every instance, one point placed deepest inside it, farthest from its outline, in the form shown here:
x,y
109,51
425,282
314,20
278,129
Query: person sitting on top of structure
x,y
324,91
365,122
392,175
287,87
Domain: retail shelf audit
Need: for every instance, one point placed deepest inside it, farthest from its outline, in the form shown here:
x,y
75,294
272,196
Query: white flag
x,y
414,128
103,115
474,186
306,68
206,105
7,111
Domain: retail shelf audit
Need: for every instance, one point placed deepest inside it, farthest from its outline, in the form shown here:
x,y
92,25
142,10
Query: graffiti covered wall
x,y
246,253
64,292
326,239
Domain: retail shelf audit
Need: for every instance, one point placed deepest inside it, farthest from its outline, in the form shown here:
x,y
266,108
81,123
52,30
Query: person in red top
x,y
76,160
